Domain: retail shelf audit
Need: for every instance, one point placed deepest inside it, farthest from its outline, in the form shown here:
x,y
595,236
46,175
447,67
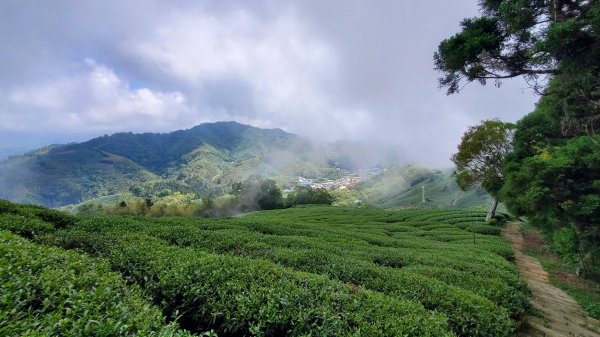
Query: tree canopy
x,y
305,195
529,38
552,179
552,175
480,156
257,193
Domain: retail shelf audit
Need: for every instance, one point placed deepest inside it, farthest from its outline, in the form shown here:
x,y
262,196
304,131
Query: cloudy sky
x,y
335,69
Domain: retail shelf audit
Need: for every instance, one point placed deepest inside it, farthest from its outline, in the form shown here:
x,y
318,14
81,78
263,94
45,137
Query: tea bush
x,y
47,291
242,296
314,270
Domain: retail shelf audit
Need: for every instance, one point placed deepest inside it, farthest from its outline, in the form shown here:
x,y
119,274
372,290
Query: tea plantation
x,y
304,271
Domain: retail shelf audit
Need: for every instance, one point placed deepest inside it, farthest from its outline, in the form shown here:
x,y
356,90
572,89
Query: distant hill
x,y
402,187
396,187
205,159
53,176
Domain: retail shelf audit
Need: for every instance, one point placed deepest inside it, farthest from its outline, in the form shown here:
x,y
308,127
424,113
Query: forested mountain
x,y
205,159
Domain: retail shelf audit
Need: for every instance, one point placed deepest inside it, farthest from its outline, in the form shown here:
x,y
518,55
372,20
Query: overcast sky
x,y
325,69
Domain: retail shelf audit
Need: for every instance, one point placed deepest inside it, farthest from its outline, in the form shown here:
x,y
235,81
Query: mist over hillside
x,y
205,160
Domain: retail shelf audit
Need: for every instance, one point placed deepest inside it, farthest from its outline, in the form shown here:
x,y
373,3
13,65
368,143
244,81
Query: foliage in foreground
x,y
553,174
556,182
47,291
312,270
412,259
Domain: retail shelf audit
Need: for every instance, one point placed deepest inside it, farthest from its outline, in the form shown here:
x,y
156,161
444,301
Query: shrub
x,y
565,242
316,270
309,196
432,263
242,296
483,229
56,218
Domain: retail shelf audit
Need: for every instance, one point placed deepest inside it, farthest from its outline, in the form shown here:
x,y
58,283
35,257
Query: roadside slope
x,y
561,314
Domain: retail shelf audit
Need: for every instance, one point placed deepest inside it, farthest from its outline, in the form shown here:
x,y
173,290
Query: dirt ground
x,y
534,240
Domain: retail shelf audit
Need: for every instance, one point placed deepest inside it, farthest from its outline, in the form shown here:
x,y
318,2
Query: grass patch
x,y
588,299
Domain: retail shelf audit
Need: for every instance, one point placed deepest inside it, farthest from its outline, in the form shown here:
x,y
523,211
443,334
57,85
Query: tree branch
x,y
524,72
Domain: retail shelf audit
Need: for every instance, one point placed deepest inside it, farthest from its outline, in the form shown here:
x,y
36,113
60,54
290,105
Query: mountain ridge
x,y
219,134
206,160
57,175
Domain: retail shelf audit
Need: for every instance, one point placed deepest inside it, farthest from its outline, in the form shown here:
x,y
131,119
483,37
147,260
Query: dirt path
x,y
561,314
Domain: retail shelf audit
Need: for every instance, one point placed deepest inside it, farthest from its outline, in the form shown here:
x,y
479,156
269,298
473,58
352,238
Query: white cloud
x,y
288,73
328,69
94,98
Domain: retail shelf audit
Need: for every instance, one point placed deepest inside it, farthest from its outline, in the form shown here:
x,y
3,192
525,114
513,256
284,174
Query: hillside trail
x,y
561,314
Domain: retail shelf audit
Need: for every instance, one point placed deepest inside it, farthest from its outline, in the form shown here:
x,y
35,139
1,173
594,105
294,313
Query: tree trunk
x,y
492,211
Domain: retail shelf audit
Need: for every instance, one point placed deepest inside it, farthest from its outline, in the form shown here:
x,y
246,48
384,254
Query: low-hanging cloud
x,y
360,71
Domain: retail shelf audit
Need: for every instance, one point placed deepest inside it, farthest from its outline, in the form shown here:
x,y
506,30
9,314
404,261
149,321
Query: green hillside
x,y
57,175
401,187
159,152
204,160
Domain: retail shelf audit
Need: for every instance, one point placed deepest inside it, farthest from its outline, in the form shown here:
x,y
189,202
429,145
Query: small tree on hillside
x,y
480,156
256,193
305,195
269,196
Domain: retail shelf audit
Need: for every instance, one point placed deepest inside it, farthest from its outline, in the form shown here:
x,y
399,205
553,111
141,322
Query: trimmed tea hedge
x,y
243,296
309,271
47,291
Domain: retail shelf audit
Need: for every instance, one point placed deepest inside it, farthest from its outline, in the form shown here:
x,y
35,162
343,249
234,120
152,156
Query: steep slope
x,y
59,175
